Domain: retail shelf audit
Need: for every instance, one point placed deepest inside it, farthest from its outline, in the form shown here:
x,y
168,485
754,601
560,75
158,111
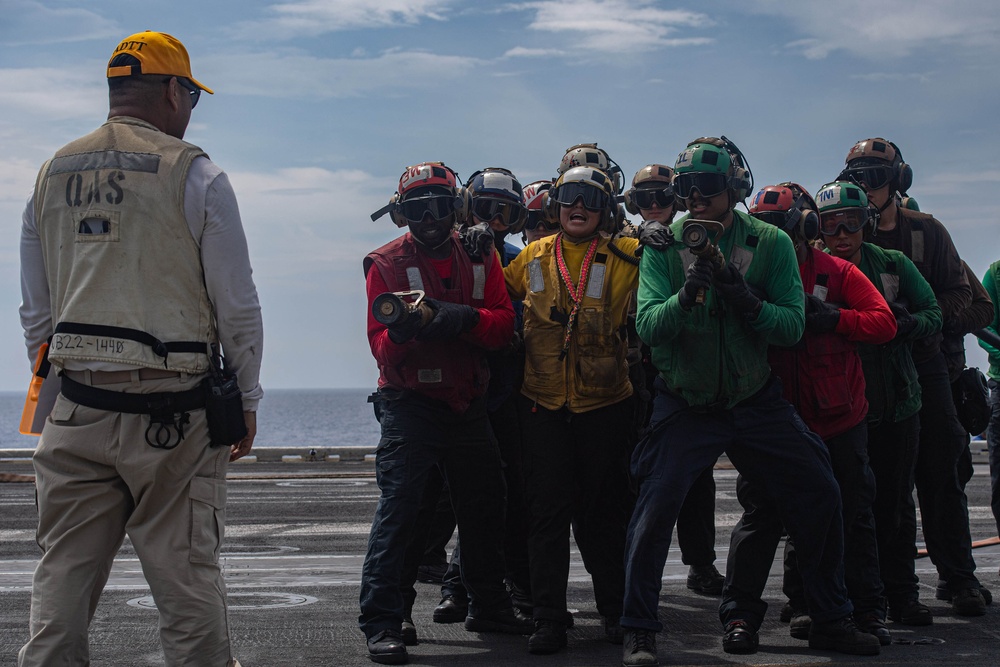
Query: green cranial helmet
x,y
840,194
703,157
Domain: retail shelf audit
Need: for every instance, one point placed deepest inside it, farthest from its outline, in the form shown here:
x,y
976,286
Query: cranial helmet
x,y
841,194
589,155
593,185
844,204
788,206
428,179
495,191
865,159
709,155
650,177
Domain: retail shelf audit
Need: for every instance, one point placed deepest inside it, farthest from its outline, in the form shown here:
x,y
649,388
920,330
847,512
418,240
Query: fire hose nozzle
x,y
390,308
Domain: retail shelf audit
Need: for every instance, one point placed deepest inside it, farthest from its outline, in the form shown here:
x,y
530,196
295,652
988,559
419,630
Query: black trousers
x,y
576,473
944,508
755,538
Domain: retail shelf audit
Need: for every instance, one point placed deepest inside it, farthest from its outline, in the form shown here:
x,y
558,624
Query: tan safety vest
x,y
125,276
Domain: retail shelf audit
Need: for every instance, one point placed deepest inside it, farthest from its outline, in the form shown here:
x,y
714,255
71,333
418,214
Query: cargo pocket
x,y
208,518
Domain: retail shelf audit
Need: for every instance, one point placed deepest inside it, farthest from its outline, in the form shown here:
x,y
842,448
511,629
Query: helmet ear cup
x,y
902,172
630,204
517,221
809,225
463,204
394,214
550,206
904,177
739,183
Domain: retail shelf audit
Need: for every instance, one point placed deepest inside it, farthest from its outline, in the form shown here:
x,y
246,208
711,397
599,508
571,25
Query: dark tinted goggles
x,y
439,206
850,219
537,219
487,209
875,176
662,197
708,185
594,199
776,218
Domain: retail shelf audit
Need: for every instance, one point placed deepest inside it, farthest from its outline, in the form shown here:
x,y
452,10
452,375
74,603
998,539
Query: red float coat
x,y
821,374
452,371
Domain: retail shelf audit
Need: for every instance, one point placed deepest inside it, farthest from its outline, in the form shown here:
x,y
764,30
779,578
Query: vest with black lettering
x,y
822,375
125,276
452,371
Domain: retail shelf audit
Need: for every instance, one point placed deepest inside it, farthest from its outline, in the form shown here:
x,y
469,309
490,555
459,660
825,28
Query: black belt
x,y
159,403
165,408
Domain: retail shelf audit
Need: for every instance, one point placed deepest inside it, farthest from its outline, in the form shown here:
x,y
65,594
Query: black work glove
x,y
905,322
656,235
699,277
734,290
449,321
404,330
821,317
477,240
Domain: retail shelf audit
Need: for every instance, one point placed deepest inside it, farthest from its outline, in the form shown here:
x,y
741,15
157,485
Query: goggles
x,y
780,219
708,185
439,207
594,199
486,209
537,219
875,176
850,220
646,197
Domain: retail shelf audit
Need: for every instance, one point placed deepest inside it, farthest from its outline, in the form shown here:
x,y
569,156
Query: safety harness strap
x,y
159,347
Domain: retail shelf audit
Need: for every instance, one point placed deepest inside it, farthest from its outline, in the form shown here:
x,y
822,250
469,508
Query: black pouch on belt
x,y
224,410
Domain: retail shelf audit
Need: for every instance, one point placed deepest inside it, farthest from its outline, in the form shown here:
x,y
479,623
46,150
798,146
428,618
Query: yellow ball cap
x,y
157,53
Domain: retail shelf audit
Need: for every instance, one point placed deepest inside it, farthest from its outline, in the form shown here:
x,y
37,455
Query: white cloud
x,y
886,29
304,220
317,17
525,52
313,77
51,93
28,22
617,25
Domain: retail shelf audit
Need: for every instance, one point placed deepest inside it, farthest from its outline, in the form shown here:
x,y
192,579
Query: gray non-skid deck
x,y
295,542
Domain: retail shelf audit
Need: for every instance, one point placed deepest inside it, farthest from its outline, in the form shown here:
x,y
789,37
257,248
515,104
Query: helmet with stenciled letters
x,y
844,204
425,181
536,196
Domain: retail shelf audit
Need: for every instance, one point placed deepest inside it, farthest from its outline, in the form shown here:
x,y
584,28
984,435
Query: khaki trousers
x,y
97,480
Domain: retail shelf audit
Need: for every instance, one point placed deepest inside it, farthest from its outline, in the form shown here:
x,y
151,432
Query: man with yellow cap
x,y
135,269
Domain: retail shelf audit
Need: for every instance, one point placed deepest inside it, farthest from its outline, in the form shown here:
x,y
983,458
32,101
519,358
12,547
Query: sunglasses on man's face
x,y
646,197
708,185
192,89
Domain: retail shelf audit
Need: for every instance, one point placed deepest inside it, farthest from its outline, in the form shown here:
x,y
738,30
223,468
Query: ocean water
x,y
286,418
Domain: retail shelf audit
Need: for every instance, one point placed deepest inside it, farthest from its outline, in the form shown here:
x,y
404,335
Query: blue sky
x,y
319,105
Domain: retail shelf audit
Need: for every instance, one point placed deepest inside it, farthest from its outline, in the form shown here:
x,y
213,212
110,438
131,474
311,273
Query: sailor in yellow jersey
x,y
575,407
